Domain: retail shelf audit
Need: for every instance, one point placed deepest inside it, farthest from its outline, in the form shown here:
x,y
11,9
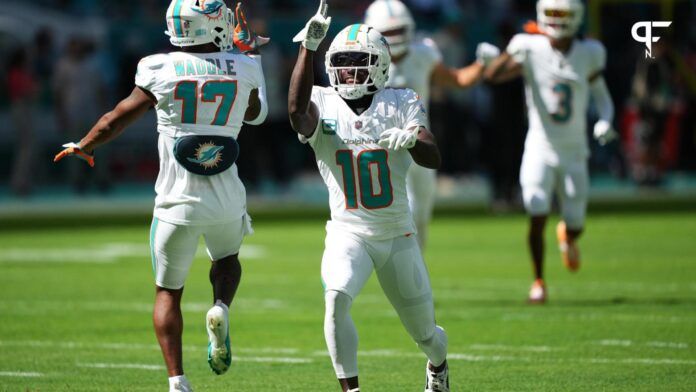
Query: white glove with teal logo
x,y
315,30
604,132
485,53
397,139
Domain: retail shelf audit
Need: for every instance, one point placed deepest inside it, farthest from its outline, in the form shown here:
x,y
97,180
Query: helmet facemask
x,y
357,62
560,19
393,20
351,73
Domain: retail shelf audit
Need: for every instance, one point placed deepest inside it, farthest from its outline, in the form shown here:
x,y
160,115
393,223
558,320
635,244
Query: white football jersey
x,y
557,90
198,94
367,183
414,71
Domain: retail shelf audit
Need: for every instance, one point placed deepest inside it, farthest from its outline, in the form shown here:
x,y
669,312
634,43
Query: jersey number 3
x,y
565,102
367,161
187,92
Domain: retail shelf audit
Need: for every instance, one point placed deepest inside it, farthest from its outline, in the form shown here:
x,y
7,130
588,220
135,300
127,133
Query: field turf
x,y
75,311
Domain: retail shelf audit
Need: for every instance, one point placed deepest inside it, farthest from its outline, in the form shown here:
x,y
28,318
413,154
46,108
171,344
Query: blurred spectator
x,y
22,90
43,57
655,99
79,100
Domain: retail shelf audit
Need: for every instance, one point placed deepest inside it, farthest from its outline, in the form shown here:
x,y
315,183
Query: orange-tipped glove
x,y
74,150
244,38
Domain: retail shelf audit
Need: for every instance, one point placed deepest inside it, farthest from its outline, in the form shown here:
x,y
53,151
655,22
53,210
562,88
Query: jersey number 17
x,y
187,92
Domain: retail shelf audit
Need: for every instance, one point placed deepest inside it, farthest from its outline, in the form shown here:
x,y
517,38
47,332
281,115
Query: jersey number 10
x,y
367,161
187,92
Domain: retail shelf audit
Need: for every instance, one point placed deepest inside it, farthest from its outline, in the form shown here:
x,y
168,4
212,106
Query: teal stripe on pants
x,y
153,256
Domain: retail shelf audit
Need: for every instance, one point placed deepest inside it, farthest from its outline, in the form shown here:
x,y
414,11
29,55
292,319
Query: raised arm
x,y
467,76
114,122
110,125
304,114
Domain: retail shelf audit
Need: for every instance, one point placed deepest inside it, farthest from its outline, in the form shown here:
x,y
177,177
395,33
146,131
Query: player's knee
x,y
229,267
337,304
574,218
536,201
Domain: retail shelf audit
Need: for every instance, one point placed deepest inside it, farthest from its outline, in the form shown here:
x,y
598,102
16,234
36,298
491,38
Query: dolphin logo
x,y
208,7
205,157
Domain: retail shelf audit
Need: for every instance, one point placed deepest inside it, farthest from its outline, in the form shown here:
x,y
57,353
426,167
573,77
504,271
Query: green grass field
x,y
75,311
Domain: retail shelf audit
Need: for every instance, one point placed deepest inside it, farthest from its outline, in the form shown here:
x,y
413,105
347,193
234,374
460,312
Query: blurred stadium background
x,y
64,62
81,57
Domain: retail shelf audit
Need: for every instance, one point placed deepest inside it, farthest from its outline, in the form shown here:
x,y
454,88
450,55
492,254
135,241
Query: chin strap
x,y
532,27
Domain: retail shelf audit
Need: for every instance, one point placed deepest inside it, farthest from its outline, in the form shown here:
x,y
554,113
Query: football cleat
x,y
570,254
181,386
218,325
436,381
537,293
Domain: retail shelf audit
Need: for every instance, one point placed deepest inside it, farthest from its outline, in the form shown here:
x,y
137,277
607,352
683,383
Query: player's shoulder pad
x,y
154,62
593,45
403,94
424,44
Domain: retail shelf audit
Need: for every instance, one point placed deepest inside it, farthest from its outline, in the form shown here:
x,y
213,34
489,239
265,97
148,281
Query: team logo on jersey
x,y
648,38
206,155
328,127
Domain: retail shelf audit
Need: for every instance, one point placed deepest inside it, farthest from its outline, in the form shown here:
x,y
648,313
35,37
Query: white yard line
x,y
20,374
103,254
256,354
140,366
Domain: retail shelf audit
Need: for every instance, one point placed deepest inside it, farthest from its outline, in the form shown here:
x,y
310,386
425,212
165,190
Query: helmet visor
x,y
352,59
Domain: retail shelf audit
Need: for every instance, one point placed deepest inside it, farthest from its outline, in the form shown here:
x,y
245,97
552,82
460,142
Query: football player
x,y
416,63
202,93
561,73
365,137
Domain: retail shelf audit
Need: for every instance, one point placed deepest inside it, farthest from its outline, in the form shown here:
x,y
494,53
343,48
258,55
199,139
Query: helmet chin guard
x,y
368,42
199,22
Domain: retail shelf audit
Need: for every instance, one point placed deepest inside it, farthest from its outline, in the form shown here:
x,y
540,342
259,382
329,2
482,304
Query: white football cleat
x,y
537,293
180,385
436,381
217,323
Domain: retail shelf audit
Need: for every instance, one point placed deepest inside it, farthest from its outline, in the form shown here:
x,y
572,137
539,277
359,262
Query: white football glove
x,y
315,30
604,132
397,139
485,53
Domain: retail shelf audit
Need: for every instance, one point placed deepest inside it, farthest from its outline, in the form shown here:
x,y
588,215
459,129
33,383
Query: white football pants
x,y
173,247
540,178
346,266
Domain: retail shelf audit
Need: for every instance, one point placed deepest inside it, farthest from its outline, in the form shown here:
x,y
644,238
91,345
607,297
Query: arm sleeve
x,y
414,113
517,48
602,99
260,83
599,57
